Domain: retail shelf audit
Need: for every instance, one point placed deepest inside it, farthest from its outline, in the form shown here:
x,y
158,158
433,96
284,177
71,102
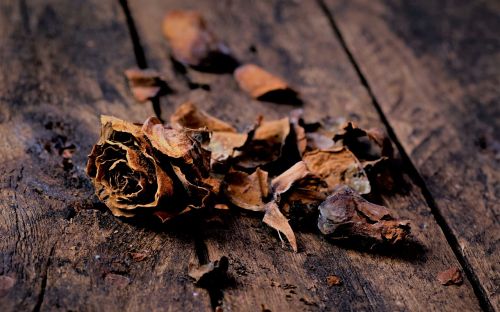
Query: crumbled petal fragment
x,y
265,144
275,219
224,145
145,84
284,181
345,214
338,166
188,115
247,191
451,276
262,85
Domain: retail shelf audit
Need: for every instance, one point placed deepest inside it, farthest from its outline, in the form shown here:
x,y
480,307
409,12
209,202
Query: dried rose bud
x,y
346,214
129,177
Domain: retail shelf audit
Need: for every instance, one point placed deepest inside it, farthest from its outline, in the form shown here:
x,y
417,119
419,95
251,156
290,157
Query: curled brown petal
x,y
336,167
262,85
189,116
275,219
247,191
223,145
266,143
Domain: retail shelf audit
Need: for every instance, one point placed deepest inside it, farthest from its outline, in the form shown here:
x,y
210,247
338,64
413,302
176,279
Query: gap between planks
x,y
412,170
201,250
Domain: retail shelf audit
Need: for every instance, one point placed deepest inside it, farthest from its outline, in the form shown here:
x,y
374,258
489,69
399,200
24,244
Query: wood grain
x,y
434,70
61,65
294,40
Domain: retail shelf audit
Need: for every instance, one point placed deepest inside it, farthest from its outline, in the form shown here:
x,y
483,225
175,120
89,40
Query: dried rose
x,y
346,214
264,86
149,168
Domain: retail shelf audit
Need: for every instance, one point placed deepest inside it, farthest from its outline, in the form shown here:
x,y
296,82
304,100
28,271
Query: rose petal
x,y
247,191
275,219
336,167
189,116
262,85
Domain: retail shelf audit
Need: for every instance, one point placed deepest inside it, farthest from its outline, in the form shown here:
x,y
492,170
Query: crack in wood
x,y
479,290
216,294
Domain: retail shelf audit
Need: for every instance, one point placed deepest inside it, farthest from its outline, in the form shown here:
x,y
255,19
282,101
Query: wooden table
x,y
427,71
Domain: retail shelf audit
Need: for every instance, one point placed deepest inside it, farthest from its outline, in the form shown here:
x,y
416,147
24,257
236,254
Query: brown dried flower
x,y
151,168
346,214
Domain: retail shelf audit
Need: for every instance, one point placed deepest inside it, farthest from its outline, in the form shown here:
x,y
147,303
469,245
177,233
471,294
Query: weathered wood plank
x,y
294,40
61,65
434,69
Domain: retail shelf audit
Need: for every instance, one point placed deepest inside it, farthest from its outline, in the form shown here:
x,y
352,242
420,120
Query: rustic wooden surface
x,y
434,69
58,72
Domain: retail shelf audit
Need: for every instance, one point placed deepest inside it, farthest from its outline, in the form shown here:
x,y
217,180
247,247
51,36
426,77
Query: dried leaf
x,y
247,191
346,214
451,276
209,274
192,43
336,167
275,219
333,280
264,86
189,116
266,144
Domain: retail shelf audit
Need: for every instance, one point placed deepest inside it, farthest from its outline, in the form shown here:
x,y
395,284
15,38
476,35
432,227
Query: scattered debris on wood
x,y
145,84
200,161
290,170
451,276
